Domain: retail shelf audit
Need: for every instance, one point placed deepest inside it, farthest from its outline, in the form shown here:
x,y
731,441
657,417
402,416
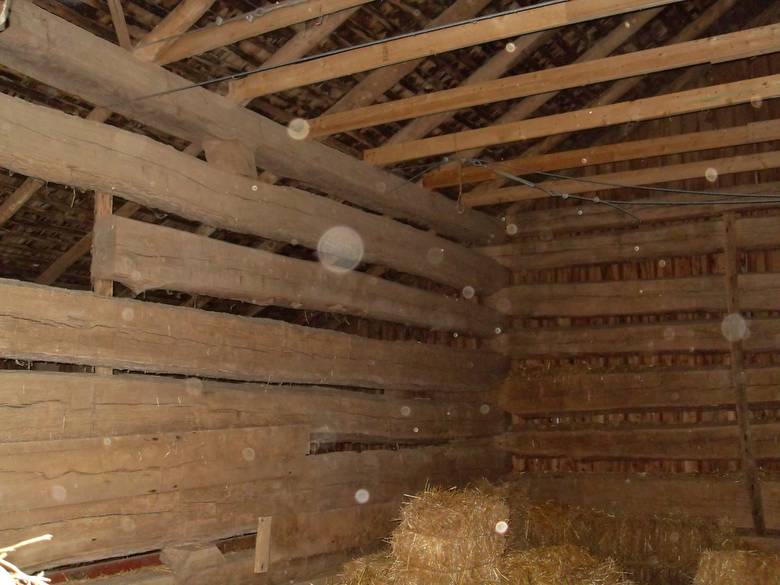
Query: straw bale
x,y
559,565
450,537
368,570
738,568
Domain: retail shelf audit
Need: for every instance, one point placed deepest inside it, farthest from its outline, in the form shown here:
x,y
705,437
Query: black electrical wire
x,y
341,51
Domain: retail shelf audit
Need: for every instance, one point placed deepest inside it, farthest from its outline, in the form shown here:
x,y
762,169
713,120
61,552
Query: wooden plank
x,y
68,150
434,42
315,514
43,323
684,102
48,474
120,26
671,336
749,439
53,405
612,181
60,54
146,257
711,497
625,297
596,217
626,246
207,38
177,21
720,48
750,133
533,393
263,544
631,442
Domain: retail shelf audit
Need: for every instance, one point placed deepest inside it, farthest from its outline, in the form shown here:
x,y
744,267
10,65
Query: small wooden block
x,y
263,544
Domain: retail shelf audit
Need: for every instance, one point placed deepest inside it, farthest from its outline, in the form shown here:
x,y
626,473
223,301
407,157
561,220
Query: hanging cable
x,y
333,52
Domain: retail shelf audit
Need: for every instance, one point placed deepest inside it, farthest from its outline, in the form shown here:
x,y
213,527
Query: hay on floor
x,y
450,537
368,570
654,549
559,565
738,568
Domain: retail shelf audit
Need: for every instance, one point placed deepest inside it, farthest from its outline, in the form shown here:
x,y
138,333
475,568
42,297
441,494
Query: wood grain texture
x,y
146,257
69,150
60,54
42,323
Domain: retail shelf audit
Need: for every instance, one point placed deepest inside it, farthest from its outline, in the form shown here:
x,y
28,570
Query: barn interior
x,y
268,269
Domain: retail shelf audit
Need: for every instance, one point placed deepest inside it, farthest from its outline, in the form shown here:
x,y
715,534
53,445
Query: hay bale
x,y
654,549
450,537
738,567
368,570
559,565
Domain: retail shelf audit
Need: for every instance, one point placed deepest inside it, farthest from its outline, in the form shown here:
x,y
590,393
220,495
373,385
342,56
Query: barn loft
x,y
267,269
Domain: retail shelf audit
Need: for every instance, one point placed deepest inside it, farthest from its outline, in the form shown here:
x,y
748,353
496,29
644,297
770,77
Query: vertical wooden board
x,y
263,544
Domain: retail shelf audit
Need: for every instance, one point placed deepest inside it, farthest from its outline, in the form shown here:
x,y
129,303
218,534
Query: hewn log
x,y
39,406
49,144
60,54
672,336
145,257
529,392
667,442
48,324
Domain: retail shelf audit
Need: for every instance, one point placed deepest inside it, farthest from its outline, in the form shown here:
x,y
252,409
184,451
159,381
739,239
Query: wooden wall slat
x,y
534,393
144,257
665,442
48,324
37,406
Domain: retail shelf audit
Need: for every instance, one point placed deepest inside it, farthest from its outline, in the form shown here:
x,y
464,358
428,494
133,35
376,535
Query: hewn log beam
x,y
434,42
120,26
144,257
212,37
685,102
68,150
714,49
711,169
59,54
51,324
751,133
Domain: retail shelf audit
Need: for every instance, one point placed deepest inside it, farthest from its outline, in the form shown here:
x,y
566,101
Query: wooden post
x,y
263,544
749,467
104,207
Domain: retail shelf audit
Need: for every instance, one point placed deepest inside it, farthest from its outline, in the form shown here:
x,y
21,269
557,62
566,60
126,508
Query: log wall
x,y
649,347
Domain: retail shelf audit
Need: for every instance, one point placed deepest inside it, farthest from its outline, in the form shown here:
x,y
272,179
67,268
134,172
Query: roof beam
x,y
120,25
685,102
178,21
215,36
726,47
751,133
626,179
59,54
433,42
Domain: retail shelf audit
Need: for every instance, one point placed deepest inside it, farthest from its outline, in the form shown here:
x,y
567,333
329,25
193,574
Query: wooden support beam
x,y
714,49
434,42
104,209
251,25
631,442
120,26
48,324
749,436
184,185
529,392
701,169
59,54
145,257
684,102
169,29
95,406
263,544
751,133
